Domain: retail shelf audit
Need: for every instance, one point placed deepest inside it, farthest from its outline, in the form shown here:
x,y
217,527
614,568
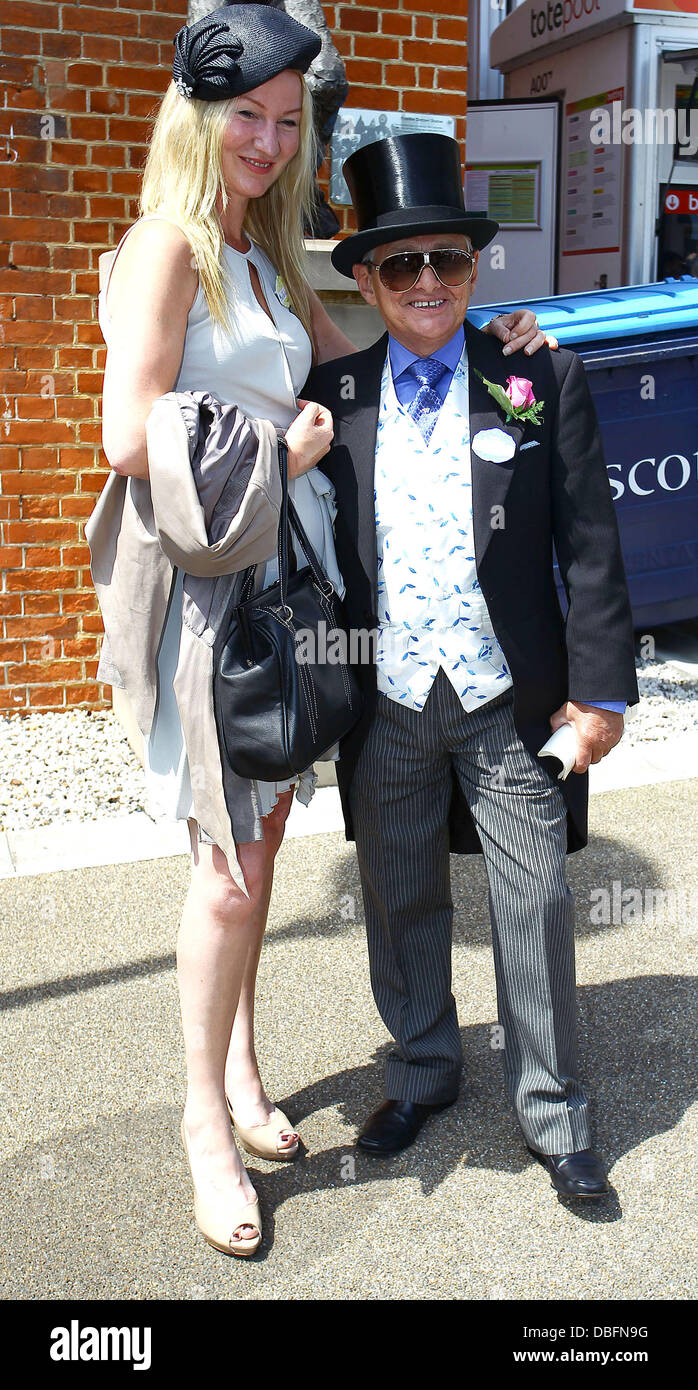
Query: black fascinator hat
x,y
237,48
406,186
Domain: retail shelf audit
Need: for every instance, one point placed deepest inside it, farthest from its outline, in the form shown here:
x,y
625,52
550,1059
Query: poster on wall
x,y
593,177
356,126
509,193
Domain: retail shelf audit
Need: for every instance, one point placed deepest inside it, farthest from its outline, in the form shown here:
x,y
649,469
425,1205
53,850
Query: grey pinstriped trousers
x,y
400,796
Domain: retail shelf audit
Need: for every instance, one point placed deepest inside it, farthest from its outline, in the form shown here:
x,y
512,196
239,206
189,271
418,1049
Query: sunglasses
x,y
402,271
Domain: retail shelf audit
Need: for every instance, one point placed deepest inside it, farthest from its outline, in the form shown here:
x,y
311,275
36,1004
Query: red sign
x,y
681,200
684,6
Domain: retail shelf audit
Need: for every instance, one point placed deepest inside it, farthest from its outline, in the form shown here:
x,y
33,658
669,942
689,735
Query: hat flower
x,y
207,56
185,85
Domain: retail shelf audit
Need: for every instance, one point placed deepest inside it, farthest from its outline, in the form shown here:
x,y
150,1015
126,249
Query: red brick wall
x,y
403,55
77,84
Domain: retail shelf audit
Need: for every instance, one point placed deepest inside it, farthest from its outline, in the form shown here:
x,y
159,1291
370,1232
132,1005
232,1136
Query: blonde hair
x,y
183,177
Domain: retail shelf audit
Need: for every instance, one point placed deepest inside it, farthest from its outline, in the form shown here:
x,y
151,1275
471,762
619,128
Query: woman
x,y
198,299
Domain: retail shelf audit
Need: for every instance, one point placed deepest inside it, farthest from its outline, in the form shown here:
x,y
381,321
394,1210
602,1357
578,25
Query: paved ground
x,y
96,1200
118,839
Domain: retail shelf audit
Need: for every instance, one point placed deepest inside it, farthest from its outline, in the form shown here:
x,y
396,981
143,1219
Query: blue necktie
x,y
427,403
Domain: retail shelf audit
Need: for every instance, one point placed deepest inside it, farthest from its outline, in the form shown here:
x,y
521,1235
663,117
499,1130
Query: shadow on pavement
x,y
603,862
641,1083
109,1193
26,995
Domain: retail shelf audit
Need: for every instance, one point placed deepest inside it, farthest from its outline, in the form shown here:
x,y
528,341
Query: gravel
x,y
74,765
668,702
77,765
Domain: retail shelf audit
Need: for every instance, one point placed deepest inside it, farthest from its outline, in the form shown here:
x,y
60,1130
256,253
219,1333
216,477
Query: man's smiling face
x,y
426,316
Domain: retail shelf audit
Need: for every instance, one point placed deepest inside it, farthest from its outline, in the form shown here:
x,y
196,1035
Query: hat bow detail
x,y
210,56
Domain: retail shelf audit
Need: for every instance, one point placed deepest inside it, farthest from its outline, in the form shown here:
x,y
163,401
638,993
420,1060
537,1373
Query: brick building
x,y
77,86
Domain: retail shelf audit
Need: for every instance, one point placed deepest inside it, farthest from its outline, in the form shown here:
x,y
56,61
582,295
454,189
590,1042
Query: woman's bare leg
x,y
218,936
248,1099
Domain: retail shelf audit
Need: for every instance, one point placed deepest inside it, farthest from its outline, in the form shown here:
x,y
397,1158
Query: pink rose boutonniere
x,y
516,399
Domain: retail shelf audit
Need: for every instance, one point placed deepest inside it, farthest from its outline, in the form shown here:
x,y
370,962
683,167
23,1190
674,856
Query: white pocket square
x,y
494,445
532,444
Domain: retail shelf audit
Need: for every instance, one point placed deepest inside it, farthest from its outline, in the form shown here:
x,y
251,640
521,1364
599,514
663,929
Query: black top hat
x,y
407,186
237,48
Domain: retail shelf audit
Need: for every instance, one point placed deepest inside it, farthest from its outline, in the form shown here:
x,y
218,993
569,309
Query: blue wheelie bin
x,y
639,345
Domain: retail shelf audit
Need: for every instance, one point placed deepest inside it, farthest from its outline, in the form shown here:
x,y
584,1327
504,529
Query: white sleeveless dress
x,y
259,366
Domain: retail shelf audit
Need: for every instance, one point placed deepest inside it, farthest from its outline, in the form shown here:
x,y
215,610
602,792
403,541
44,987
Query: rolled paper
x,y
562,746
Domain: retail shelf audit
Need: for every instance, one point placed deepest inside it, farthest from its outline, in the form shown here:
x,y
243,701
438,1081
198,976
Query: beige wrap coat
x,y
209,507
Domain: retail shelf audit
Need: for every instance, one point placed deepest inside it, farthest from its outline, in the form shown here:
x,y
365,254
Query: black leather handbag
x,y
279,702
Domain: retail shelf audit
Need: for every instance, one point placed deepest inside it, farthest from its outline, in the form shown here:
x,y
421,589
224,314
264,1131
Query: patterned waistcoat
x,y
431,610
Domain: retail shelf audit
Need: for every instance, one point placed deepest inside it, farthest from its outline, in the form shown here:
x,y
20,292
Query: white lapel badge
x,y
495,445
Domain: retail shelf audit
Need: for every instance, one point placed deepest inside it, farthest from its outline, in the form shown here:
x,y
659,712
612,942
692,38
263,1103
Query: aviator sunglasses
x,y
402,270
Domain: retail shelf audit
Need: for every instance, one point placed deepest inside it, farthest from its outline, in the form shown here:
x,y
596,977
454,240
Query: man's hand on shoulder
x,y
597,730
519,330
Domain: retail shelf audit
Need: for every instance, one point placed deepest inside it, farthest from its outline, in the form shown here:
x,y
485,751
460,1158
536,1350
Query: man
x,y
447,513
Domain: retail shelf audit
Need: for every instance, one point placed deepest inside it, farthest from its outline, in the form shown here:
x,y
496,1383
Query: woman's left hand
x,y
519,330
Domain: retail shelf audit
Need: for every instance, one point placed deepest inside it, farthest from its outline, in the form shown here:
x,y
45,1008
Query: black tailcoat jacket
x,y
554,492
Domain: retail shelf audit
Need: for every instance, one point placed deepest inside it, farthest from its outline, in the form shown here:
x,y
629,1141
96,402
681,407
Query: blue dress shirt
x,y
406,388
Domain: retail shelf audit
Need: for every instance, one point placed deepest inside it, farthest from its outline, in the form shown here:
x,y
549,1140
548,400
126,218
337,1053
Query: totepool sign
x,y
537,23
561,16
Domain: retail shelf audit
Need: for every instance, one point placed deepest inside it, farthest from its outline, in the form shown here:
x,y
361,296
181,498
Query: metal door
x,y
512,156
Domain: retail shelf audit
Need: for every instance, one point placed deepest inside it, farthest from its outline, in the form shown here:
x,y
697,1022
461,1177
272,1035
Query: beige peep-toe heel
x,y
263,1140
218,1222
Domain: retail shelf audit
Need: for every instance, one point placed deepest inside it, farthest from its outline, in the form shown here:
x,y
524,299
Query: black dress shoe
x,y
575,1175
394,1125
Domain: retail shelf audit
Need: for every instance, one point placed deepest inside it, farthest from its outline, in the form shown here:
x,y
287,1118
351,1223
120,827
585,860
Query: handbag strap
x,y
288,517
282,536
318,573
